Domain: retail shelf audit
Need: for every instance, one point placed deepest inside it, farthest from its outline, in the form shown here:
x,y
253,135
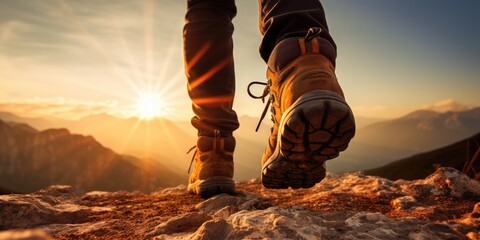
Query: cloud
x,y
446,106
11,30
57,107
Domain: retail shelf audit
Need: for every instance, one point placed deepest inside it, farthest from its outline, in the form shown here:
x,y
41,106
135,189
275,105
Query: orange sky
x,y
69,58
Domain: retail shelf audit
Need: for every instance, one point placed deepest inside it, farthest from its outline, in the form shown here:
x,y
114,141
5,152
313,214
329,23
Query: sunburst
x,y
149,105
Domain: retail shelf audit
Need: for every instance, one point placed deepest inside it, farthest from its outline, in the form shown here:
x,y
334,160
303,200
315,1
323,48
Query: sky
x,y
70,58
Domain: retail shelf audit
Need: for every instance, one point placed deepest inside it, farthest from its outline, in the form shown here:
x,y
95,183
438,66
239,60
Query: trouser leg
x,y
208,55
281,19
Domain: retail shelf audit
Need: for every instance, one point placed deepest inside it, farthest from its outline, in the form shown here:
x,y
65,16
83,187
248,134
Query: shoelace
x,y
265,93
193,157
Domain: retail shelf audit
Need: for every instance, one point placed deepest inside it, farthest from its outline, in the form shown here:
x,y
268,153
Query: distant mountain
x,y
421,165
38,123
31,159
162,139
384,142
361,121
374,145
144,139
360,156
422,130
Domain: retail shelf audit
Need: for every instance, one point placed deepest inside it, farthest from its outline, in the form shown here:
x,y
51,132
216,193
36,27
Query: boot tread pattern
x,y
317,127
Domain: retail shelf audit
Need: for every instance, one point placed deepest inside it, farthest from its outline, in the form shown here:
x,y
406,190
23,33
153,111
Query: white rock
x,y
405,203
445,181
52,205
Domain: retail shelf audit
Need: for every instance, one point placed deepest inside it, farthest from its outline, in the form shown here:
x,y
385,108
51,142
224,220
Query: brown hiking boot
x,y
213,170
312,121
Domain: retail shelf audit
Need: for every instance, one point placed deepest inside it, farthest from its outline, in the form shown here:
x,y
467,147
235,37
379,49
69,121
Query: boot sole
x,y
316,128
212,186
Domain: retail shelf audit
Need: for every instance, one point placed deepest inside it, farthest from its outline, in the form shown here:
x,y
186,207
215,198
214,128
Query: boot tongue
x,y
283,53
288,49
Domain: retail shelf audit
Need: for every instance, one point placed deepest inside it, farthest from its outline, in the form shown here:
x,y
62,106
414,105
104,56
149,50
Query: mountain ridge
x,y
414,133
34,159
424,164
375,145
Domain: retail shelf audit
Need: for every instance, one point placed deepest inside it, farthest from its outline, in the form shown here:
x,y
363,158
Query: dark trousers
x,y
208,52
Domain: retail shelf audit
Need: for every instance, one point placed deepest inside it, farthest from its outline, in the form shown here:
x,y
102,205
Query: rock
x,y
343,206
243,201
405,203
53,205
445,181
357,183
183,223
277,223
24,235
174,190
476,211
435,231
473,235
79,230
214,229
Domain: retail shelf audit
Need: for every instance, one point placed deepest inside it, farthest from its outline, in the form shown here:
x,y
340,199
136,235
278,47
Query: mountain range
x,y
167,141
164,140
32,159
384,142
462,155
422,130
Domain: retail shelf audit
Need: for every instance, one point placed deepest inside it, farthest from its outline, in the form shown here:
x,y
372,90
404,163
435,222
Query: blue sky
x,y
66,57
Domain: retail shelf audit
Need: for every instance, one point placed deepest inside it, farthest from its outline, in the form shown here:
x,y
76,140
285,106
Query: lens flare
x,y
149,105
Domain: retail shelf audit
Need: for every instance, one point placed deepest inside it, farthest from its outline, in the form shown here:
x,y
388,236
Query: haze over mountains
x,y
32,159
167,141
383,142
160,139
463,156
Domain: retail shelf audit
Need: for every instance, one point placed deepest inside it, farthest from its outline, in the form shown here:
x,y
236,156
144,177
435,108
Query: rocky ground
x,y
446,205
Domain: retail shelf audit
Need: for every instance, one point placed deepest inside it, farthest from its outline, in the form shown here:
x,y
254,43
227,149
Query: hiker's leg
x,y
281,19
208,53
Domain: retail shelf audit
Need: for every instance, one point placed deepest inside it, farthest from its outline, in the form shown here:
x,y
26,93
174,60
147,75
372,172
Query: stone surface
x,y
343,206
53,205
445,181
24,235
405,203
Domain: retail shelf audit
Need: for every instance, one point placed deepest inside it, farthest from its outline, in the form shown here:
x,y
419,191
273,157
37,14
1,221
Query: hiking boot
x,y
311,120
213,170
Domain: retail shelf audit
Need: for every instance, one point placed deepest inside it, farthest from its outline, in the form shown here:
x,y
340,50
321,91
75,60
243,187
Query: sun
x,y
149,105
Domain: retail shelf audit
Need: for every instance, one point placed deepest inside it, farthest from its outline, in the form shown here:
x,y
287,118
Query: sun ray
x,y
214,70
168,85
169,134
74,20
126,49
130,134
148,78
149,105
148,138
201,52
161,81
149,17
212,100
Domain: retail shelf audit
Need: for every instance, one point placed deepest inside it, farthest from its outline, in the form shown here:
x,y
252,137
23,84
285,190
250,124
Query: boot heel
x,y
314,129
212,186
317,127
